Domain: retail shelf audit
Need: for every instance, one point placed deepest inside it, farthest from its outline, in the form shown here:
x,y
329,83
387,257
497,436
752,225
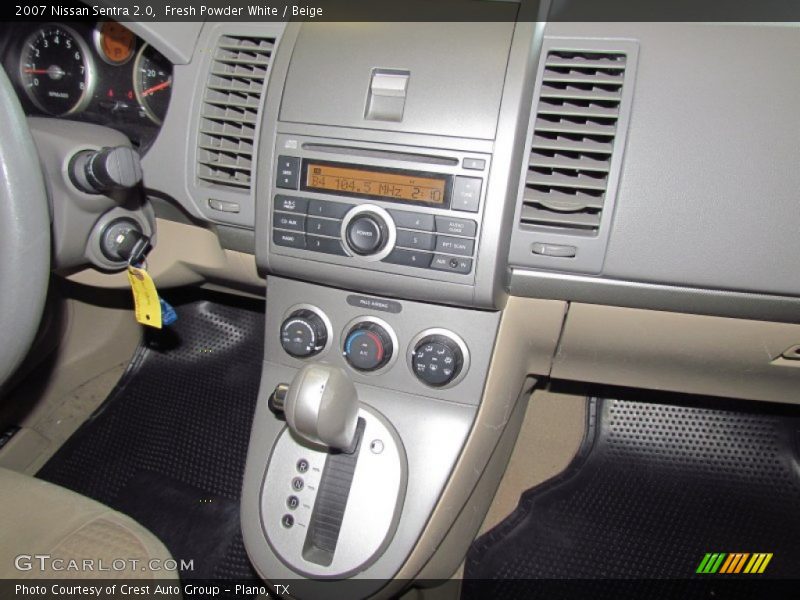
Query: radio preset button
x,y
288,172
289,239
326,245
453,245
290,204
453,264
454,226
328,209
412,220
365,234
319,226
409,258
467,194
289,221
415,240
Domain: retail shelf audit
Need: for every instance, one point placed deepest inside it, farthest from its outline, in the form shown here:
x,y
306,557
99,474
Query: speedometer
x,y
56,70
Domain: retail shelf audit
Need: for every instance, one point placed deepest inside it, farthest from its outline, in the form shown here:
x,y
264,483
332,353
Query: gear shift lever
x,y
320,405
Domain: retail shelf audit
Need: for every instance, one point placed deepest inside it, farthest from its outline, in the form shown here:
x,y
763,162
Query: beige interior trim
x,y
732,358
529,332
39,518
551,434
185,255
96,346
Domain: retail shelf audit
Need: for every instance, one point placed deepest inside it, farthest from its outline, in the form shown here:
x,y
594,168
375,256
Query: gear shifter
x,y
321,406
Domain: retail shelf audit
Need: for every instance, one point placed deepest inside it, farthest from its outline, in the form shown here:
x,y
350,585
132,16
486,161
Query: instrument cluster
x,y
96,72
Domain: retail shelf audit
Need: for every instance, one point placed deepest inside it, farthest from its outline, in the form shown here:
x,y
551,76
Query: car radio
x,y
389,208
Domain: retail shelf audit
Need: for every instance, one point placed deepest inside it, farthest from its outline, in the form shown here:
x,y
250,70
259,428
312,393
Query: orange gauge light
x,y
115,42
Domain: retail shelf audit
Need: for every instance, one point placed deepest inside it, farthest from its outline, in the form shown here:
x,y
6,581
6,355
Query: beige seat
x,y
80,536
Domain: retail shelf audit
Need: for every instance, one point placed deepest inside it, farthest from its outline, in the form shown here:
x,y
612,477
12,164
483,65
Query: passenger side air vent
x,y
230,112
574,138
577,131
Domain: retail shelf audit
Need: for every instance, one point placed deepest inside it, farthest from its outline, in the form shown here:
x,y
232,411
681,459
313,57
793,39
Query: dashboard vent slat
x,y
574,132
230,113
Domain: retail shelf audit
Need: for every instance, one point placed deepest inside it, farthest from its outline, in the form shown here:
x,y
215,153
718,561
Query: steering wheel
x,y
24,234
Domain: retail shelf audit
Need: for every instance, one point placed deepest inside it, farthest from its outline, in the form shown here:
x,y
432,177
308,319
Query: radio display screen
x,y
377,183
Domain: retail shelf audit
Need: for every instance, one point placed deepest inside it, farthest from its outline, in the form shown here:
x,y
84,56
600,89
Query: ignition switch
x,y
123,240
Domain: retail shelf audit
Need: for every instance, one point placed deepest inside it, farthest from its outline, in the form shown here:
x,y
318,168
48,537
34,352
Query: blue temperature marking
x,y
352,337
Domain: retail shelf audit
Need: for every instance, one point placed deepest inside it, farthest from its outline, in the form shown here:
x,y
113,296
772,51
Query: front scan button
x,y
454,245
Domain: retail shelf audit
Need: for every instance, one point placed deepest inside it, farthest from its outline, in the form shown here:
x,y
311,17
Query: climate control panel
x,y
437,358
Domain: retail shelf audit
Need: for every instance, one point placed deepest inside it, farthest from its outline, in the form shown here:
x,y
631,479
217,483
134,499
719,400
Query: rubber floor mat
x,y
168,446
655,487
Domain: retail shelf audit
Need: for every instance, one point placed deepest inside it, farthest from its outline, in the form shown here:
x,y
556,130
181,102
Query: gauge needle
x,y
156,88
37,71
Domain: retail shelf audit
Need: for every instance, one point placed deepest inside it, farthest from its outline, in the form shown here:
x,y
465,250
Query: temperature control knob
x,y
437,360
368,347
303,334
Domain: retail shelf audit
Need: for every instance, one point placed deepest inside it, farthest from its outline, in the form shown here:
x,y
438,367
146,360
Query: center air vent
x,y
229,117
574,138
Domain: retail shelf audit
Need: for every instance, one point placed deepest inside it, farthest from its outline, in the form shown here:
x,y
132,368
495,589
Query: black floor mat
x,y
654,488
168,446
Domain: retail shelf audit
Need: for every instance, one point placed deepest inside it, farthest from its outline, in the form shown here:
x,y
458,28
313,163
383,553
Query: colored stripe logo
x,y
734,563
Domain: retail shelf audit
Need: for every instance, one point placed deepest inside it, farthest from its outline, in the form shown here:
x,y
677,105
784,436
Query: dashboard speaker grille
x,y
577,114
230,112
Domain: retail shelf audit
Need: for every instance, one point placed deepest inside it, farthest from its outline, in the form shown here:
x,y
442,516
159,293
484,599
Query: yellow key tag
x,y
145,298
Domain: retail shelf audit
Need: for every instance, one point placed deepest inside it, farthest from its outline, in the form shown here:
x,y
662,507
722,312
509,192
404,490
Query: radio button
x,y
365,235
289,239
325,208
412,220
291,204
319,226
326,245
474,164
409,258
288,172
456,226
289,221
452,245
467,194
415,240
453,264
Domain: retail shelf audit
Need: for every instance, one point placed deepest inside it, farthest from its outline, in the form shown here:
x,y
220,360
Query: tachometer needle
x,y
37,71
157,87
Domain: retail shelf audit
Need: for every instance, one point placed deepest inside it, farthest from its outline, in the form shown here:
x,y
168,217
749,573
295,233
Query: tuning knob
x,y
437,360
368,346
304,333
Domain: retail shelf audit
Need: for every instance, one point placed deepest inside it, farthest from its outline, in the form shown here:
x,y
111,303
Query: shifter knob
x,y
321,405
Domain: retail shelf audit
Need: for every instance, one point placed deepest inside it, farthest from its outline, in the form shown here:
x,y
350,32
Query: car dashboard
x,y
443,211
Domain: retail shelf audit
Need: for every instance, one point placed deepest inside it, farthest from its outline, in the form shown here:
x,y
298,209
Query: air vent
x,y
229,117
577,117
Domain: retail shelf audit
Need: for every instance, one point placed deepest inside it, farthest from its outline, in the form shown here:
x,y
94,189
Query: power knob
x,y
304,333
368,346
